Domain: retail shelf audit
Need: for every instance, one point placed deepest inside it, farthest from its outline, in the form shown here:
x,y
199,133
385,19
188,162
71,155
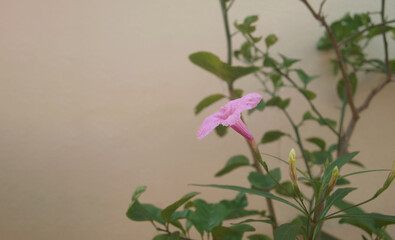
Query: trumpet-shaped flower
x,y
230,115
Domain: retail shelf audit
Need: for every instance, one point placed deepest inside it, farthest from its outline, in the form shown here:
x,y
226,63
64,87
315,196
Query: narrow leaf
x,y
286,231
168,211
233,163
272,136
207,101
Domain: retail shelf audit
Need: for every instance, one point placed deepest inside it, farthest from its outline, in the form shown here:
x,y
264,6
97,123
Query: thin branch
x,y
361,32
339,57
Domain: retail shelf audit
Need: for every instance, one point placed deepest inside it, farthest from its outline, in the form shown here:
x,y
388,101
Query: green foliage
x,y
258,237
172,236
286,231
288,62
271,136
207,101
213,64
233,163
260,107
319,142
278,102
306,79
341,89
221,130
270,40
168,211
265,181
231,233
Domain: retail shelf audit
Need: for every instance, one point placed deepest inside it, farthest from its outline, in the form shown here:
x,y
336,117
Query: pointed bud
x,y
292,167
332,181
387,183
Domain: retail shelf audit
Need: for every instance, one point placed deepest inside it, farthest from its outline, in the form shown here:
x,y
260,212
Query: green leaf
x,y
341,87
259,237
272,136
137,193
319,157
264,181
286,231
233,163
246,27
367,224
172,236
307,93
286,189
207,101
287,62
260,107
224,71
278,102
221,130
238,93
269,62
144,212
169,210
306,79
207,216
231,233
308,116
327,236
256,221
326,121
338,195
270,40
319,142
237,206
252,191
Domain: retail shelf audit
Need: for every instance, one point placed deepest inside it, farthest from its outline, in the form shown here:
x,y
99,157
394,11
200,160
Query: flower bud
x,y
292,167
387,183
332,181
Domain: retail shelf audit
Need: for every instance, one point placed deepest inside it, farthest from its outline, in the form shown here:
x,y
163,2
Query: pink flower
x,y
229,115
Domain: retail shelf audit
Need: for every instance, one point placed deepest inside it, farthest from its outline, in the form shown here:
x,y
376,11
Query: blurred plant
x,y
348,38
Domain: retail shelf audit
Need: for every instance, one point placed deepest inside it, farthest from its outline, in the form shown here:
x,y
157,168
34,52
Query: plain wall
x,y
97,98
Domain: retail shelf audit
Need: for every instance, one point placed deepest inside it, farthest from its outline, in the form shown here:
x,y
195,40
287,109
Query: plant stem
x,y
227,32
253,148
339,57
362,31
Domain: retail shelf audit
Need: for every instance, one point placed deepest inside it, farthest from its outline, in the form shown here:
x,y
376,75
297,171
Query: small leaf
x,y
238,93
326,121
308,116
224,71
233,163
338,195
259,237
137,193
306,79
264,181
269,62
319,157
272,136
286,231
318,142
260,107
168,211
286,189
341,87
221,130
173,236
307,93
270,40
287,62
252,191
278,102
207,101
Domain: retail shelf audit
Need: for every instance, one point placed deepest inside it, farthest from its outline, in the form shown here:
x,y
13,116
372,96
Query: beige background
x,y
97,98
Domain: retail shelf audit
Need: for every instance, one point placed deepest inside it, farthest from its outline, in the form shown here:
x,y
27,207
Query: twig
x,y
361,32
339,57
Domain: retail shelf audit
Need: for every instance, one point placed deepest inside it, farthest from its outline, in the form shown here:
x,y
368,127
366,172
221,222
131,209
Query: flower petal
x,y
209,124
